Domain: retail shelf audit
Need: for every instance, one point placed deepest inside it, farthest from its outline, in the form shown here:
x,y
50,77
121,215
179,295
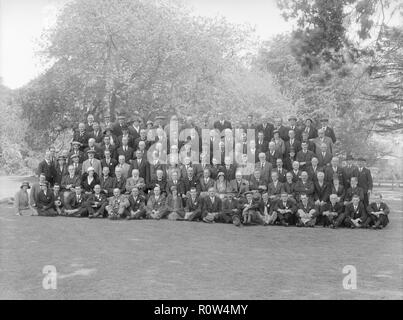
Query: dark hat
x,y
276,131
107,116
74,155
91,151
362,159
173,188
349,157
26,184
45,183
125,127
324,120
220,174
149,122
310,119
292,118
160,117
248,192
121,116
292,149
76,142
61,157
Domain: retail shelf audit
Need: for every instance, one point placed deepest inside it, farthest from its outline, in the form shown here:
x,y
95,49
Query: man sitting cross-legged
x,y
193,208
331,211
250,210
117,205
75,204
230,211
378,213
211,206
155,204
137,206
285,209
354,215
266,209
96,203
173,206
307,212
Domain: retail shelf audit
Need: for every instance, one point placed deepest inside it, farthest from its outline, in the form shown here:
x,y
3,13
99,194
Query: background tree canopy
x,y
343,60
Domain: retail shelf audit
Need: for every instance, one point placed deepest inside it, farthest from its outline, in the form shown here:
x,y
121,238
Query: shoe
x,y
380,227
283,223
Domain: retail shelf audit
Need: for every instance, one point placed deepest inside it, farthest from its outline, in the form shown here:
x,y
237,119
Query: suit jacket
x,y
308,208
312,173
81,156
209,207
283,132
179,185
265,172
254,184
121,184
266,205
205,186
193,206
289,188
110,147
323,161
66,180
296,145
329,172
60,173
174,205
322,193
147,143
305,157
275,190
354,191
382,207
364,179
221,127
153,204
98,136
128,153
137,204
111,165
73,203
154,167
281,174
229,173
308,188
288,205
45,202
325,140
262,147
329,132
188,184
92,198
135,133
162,183
296,176
267,129
131,183
117,129
239,189
108,183
272,158
89,187
348,173
312,132
311,145
228,206
337,207
357,213
48,170
143,168
96,164
130,141
82,138
340,191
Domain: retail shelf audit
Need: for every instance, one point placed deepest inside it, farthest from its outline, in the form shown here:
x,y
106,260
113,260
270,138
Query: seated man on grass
x,y
307,212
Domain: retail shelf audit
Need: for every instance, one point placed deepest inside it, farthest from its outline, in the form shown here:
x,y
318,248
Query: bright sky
x,y
22,21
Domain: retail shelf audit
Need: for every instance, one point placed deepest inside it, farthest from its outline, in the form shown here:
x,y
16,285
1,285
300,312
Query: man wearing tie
x,y
328,131
212,206
222,124
364,178
378,212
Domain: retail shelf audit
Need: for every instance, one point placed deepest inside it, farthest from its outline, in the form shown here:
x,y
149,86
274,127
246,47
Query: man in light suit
x,y
92,162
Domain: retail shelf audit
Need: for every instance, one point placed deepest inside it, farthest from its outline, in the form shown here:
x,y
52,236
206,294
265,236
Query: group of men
x,y
281,175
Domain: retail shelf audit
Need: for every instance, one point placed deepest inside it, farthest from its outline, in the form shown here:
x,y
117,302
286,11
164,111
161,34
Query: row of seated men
x,y
259,207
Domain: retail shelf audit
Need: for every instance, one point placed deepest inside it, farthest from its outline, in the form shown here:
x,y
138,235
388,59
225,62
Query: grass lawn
x,y
102,259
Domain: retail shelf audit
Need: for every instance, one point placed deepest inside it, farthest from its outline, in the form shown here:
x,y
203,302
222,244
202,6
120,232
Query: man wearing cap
x,y
81,136
364,179
60,169
75,150
96,203
76,165
92,162
328,131
310,129
46,202
45,167
117,127
21,200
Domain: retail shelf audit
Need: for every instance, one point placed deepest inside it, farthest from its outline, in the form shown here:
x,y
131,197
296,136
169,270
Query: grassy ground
x,y
100,259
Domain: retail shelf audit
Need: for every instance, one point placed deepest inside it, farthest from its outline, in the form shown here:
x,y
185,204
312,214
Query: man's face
x,y
249,197
135,192
238,176
91,142
76,160
321,176
335,162
190,172
304,199
97,189
271,146
304,176
323,148
314,162
174,175
107,140
121,121
321,133
211,193
256,174
116,192
361,164
193,193
121,159
262,157
159,174
135,174
118,172
279,163
90,155
56,188
292,122
289,177
81,127
295,165
291,134
157,191
90,118
277,122
105,171
71,171
52,151
265,197
284,197
378,199
107,154
260,136
95,126
206,173
274,176
353,182
333,199
47,155
304,147
304,136
78,190
143,133
44,187
138,154
125,140
356,200
142,145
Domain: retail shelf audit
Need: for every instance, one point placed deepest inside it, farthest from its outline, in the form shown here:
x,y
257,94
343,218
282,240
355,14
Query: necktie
x,y
91,162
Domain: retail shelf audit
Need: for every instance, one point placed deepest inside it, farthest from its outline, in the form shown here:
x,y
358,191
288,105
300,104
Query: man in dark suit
x,y
76,204
378,212
364,178
106,145
212,206
281,172
267,128
311,145
322,192
328,131
96,203
92,146
107,182
109,162
141,164
313,169
193,207
310,129
348,170
292,142
353,190
142,137
229,169
304,186
331,211
261,144
230,211
126,134
222,124
81,136
134,128
292,120
272,154
206,182
45,167
334,169
60,169
304,156
117,127
355,214
285,209
282,130
125,150
90,123
324,156
174,181
45,203
190,180
137,205
96,133
75,150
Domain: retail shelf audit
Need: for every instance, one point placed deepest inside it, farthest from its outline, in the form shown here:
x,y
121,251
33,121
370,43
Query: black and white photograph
x,y
212,151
